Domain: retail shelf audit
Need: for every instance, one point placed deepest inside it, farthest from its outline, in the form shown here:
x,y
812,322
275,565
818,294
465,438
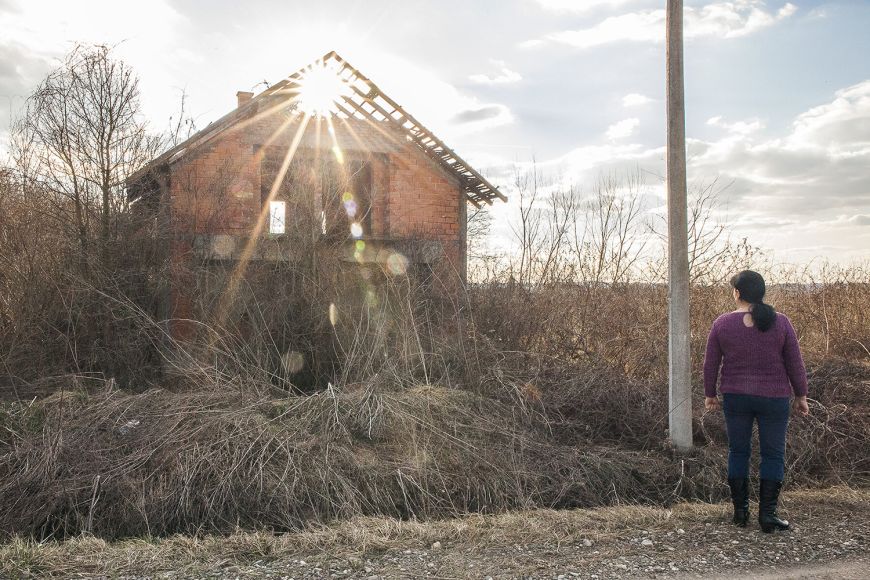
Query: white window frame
x,y
277,217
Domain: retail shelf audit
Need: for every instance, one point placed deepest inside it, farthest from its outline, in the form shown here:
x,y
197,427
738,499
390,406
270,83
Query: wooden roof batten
x,y
477,188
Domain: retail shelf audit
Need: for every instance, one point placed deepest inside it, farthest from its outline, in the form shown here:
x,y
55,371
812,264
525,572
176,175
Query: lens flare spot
x,y
339,156
371,298
397,264
350,208
360,245
333,314
223,246
356,230
293,361
346,196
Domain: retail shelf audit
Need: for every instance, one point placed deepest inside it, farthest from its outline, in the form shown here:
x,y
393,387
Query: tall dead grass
x,y
431,418
117,464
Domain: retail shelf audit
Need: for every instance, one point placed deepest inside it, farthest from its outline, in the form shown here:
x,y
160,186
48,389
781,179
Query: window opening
x,y
277,217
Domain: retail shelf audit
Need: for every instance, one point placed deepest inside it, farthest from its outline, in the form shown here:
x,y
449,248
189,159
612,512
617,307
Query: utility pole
x,y
679,372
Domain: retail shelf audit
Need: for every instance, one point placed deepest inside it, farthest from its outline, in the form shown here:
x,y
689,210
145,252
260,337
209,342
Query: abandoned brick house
x,y
322,153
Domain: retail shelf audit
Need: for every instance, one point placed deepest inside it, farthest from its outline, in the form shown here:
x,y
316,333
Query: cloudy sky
x,y
778,93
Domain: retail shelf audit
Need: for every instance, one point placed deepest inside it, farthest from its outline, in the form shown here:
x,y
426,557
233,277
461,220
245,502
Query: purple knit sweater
x,y
767,364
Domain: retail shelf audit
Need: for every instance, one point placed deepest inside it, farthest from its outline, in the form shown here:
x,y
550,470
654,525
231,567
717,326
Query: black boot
x,y
768,497
740,498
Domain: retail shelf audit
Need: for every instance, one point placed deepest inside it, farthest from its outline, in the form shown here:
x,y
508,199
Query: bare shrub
x,y
67,233
416,423
81,134
232,449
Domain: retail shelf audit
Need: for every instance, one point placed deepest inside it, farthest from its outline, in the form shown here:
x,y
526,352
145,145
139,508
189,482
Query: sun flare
x,y
320,88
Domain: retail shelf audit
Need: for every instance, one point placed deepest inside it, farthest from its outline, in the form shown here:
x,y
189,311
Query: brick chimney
x,y
244,97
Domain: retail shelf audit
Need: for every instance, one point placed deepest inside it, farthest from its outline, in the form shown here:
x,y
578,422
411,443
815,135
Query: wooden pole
x,y
679,377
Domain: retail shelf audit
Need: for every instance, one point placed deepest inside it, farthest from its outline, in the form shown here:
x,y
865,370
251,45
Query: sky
x,y
777,92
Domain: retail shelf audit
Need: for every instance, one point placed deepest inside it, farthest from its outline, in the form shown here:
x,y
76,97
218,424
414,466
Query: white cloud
x,y
442,107
817,14
635,100
504,76
841,127
142,34
50,28
584,164
580,5
811,175
717,19
801,194
635,26
481,117
740,127
733,19
622,129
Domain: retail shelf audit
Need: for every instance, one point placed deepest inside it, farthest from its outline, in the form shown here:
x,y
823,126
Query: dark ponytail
x,y
751,287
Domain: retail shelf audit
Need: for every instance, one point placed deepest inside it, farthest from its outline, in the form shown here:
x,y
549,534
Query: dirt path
x,y
829,540
855,570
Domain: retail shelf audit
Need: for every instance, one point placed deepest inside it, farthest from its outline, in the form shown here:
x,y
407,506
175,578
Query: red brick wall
x,y
425,203
215,189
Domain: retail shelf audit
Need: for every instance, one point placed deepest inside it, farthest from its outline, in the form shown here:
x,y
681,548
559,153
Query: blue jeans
x,y
741,411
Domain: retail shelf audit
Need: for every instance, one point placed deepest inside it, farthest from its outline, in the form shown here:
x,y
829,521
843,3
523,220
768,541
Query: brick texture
x,y
219,188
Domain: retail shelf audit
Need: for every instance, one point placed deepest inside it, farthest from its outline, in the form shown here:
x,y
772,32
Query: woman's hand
x,y
711,403
801,407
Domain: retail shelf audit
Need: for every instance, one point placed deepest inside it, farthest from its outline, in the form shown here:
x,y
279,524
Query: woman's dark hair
x,y
751,287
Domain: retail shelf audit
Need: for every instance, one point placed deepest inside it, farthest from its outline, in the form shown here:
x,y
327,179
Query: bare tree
x,y
81,134
181,125
528,230
548,211
611,242
478,227
713,252
566,237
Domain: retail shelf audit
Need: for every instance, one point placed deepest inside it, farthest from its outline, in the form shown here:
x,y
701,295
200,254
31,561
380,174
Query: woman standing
x,y
761,365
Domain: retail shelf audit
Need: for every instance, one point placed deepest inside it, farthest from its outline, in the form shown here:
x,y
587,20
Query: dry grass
x,y
363,536
117,465
624,326
428,417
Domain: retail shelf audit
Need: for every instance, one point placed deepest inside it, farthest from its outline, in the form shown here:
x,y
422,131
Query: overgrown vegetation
x,y
361,390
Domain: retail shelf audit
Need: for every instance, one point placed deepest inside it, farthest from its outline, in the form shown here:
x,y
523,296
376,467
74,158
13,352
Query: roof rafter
x,y
365,101
365,92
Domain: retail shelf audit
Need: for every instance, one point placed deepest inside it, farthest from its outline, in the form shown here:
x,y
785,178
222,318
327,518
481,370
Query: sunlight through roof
x,y
320,88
